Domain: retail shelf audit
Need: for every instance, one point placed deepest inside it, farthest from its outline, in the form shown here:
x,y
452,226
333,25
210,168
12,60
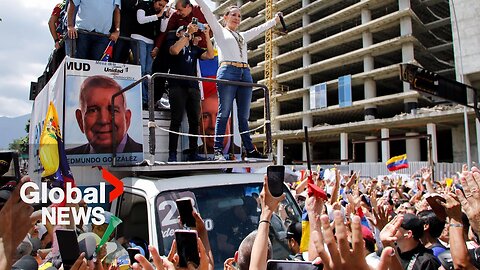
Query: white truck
x,y
228,202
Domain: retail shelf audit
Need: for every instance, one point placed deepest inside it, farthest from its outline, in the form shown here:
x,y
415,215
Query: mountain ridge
x,y
12,128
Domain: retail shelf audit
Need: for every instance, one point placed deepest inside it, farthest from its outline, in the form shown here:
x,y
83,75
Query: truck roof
x,y
151,186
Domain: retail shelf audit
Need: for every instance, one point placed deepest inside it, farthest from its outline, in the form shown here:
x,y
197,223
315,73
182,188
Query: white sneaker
x,y
218,156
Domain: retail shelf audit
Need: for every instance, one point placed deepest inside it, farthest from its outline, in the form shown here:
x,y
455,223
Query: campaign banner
x,y
89,87
51,92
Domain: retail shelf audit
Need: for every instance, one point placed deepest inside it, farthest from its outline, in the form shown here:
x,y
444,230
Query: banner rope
x,y
153,124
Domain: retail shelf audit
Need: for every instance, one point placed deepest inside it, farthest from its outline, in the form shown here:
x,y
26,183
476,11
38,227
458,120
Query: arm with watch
x,y
116,22
183,40
260,245
458,248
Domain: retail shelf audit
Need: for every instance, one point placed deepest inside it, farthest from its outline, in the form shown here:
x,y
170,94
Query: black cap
x,y
295,231
413,223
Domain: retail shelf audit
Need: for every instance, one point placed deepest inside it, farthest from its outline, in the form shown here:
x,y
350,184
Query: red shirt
x,y
176,20
56,12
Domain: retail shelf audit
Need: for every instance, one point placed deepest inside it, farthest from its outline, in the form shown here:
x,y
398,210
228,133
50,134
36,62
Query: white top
x,y
142,19
228,49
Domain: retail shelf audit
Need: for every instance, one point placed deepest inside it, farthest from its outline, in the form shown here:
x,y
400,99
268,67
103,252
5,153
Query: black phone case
x,y
131,253
185,209
68,246
276,175
187,247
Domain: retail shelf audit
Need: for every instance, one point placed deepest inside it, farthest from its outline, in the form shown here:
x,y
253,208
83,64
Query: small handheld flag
x,y
397,163
107,54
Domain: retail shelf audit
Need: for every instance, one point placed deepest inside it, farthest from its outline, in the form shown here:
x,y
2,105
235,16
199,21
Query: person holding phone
x,y
269,204
149,16
233,66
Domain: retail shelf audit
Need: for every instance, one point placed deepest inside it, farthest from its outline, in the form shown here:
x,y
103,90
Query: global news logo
x,y
69,196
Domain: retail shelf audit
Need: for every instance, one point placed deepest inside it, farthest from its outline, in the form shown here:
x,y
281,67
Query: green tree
x,y
21,144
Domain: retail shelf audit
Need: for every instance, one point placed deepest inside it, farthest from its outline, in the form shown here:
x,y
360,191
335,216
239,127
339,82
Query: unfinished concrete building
x,y
368,40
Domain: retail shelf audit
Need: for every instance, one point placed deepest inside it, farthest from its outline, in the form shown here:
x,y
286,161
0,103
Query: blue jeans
x,y
226,94
91,46
141,51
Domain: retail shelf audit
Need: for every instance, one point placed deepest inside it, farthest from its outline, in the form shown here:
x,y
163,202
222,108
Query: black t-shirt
x,y
185,63
422,257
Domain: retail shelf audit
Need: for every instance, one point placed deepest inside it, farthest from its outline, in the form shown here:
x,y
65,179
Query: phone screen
x,y
276,175
68,246
187,247
185,209
131,253
291,265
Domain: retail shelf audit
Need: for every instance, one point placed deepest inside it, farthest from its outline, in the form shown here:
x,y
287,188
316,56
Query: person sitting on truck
x,y
185,95
94,118
237,224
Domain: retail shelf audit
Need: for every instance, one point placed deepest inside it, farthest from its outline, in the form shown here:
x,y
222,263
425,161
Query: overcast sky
x,y
24,50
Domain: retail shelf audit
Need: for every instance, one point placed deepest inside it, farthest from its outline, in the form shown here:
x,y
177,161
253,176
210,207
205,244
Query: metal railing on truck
x,y
151,124
56,58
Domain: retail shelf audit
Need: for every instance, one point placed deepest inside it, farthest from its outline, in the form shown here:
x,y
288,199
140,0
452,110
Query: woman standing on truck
x,y
233,66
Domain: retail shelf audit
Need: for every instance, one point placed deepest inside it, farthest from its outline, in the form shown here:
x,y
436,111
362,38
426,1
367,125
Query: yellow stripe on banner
x,y
397,158
305,236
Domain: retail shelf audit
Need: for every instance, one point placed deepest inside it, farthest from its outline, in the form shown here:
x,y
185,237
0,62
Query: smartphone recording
x,y
185,209
276,176
68,246
187,248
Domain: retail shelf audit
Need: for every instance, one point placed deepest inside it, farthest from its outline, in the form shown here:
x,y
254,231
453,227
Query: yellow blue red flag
x,y
52,152
107,54
397,163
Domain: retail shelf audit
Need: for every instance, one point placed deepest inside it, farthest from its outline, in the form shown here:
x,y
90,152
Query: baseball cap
x,y
295,231
413,223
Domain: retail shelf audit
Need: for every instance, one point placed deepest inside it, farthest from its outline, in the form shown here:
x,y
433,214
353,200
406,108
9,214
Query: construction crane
x,y
269,67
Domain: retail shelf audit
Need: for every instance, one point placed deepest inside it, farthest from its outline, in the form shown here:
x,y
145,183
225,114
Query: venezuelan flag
x,y
397,163
107,54
52,152
208,69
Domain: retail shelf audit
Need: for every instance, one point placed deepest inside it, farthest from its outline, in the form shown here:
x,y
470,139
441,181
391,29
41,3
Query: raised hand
x,y
15,224
471,199
387,235
159,263
452,207
339,255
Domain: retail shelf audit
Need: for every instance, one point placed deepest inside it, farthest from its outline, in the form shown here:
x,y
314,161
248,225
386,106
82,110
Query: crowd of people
x,y
363,224
168,39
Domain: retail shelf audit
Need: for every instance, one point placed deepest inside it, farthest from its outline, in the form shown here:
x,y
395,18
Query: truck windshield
x,y
230,214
